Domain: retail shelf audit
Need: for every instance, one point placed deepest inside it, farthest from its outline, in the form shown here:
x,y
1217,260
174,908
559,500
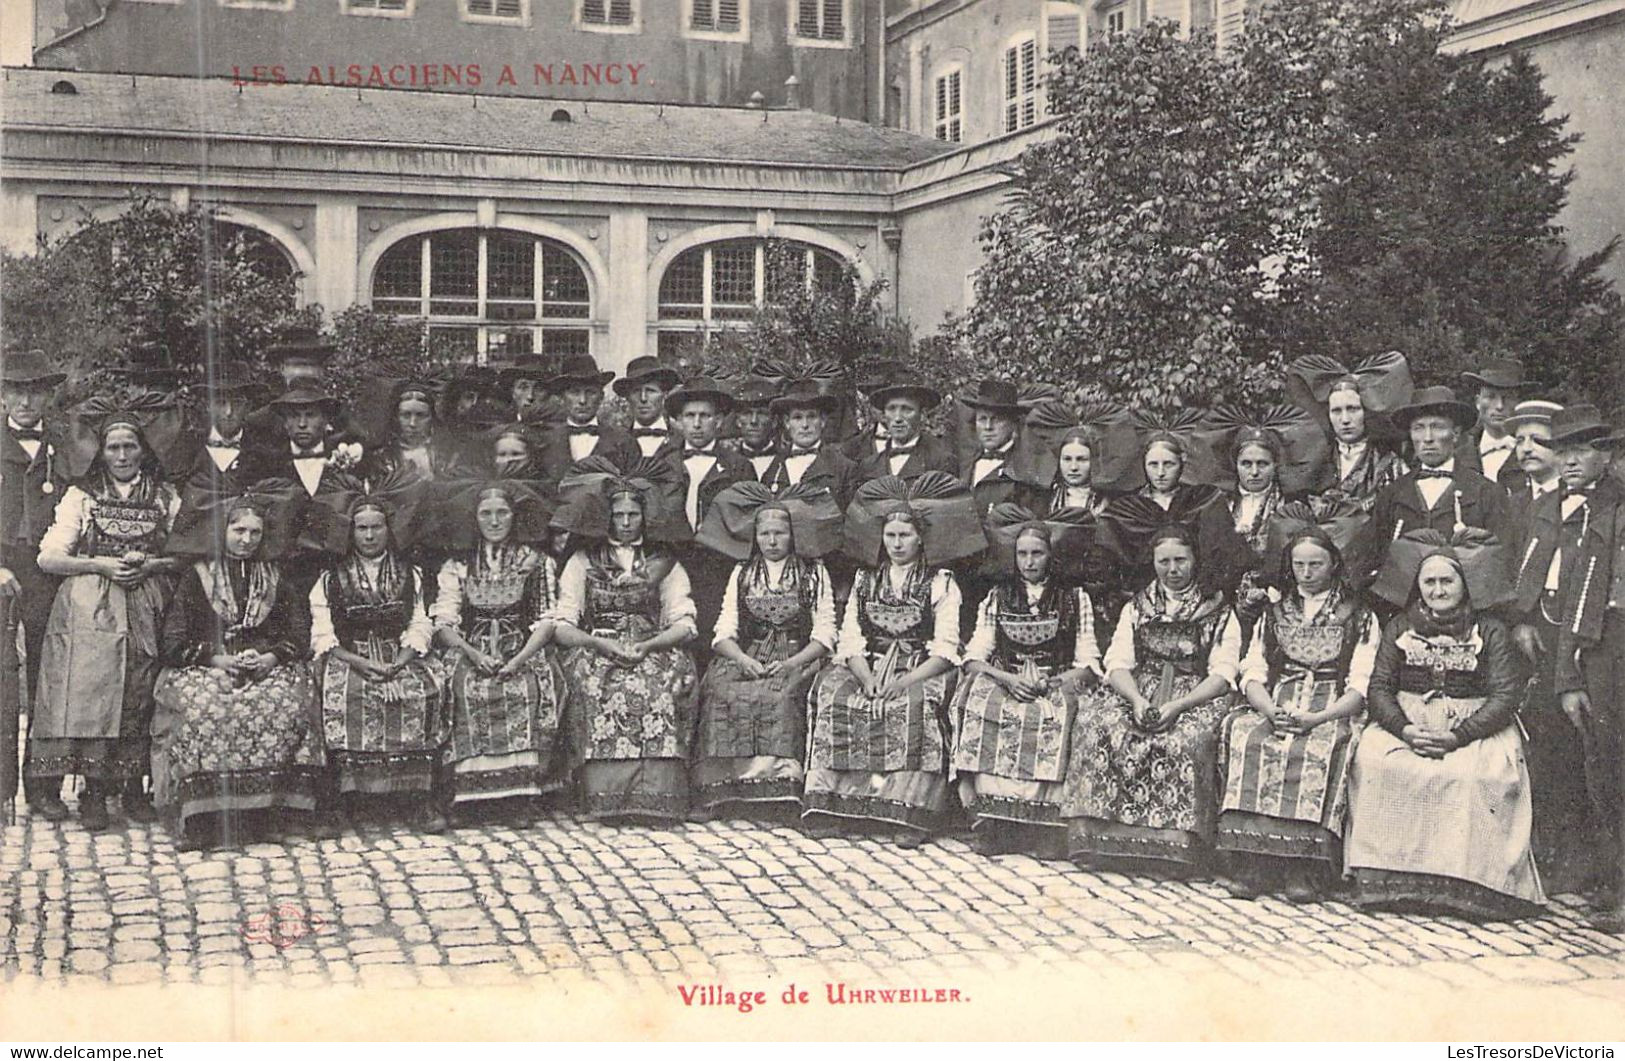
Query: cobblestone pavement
x,y
593,903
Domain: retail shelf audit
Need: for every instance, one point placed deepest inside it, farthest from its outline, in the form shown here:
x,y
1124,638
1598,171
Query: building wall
x,y
658,63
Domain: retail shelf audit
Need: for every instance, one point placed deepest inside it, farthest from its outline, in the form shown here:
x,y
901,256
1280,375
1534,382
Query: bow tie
x,y
994,455
309,455
746,449
690,453
216,442
649,432
1498,444
582,429
33,434
1434,473
796,451
894,449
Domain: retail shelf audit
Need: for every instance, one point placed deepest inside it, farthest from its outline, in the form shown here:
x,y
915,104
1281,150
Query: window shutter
x,y
1230,18
620,12
1065,29
510,8
833,28
727,15
592,10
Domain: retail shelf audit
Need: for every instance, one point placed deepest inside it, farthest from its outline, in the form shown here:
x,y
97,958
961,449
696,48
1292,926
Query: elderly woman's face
x,y
902,541
369,529
414,418
1175,564
1255,468
121,453
1313,568
1441,584
773,537
494,516
510,452
244,532
1077,464
1163,467
1346,412
625,519
1032,557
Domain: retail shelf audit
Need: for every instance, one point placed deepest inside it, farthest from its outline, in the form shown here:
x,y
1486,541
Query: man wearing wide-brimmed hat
x,y
307,455
803,412
908,450
213,450
1532,473
579,384
647,382
872,375
1438,493
1571,596
521,381
31,482
1488,445
301,358
758,439
1004,467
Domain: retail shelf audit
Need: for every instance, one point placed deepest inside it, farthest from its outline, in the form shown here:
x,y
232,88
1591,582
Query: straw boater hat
x,y
805,394
1583,423
1436,400
1534,411
650,369
927,397
30,367
305,395
996,396
700,388
578,368
1505,373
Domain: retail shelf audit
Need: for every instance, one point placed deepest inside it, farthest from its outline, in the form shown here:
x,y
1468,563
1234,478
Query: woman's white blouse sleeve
x,y
323,638
728,618
448,602
419,632
1365,656
945,601
548,575
572,591
823,626
1086,653
677,601
1120,653
851,641
1255,667
980,646
1224,658
67,523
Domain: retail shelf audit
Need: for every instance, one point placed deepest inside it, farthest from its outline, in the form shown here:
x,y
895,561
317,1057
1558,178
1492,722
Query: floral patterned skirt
x,y
631,730
384,736
1134,794
219,746
504,731
753,732
1011,755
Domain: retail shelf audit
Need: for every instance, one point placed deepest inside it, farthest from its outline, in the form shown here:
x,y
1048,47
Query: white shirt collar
x,y
216,439
1351,449
15,426
1486,444
1448,467
319,450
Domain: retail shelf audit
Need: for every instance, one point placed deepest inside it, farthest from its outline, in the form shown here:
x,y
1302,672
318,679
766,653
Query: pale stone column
x,y
626,302
19,218
336,284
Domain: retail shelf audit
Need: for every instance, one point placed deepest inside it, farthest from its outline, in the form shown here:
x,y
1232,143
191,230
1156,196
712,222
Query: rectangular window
x,y
949,122
620,13
496,10
1116,20
1020,85
259,5
378,7
820,20
715,16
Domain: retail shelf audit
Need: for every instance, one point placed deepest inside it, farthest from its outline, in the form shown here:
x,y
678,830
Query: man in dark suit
x,y
909,450
1008,466
31,481
1487,446
300,357
213,451
1536,473
579,385
1438,493
645,386
758,428
803,411
872,376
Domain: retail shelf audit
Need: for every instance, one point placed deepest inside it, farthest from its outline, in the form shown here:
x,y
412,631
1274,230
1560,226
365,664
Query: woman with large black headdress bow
x,y
101,642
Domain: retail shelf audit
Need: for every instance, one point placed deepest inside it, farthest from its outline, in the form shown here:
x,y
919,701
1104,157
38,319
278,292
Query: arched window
x,y
488,293
264,252
718,285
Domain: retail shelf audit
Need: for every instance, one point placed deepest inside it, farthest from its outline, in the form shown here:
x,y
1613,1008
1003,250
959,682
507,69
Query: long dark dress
x,y
222,743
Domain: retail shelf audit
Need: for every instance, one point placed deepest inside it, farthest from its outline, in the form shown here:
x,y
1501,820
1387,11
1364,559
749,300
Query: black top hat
x,y
996,396
928,397
578,368
652,369
1583,423
1436,400
805,394
305,395
1505,373
30,366
699,388
301,344
755,392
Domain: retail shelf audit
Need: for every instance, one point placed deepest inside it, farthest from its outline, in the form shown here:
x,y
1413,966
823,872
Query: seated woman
x,y
493,620
1141,783
233,731
1286,756
625,612
776,625
1440,813
878,751
382,695
1033,652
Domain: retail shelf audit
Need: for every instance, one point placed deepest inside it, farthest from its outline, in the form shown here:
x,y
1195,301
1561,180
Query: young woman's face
x,y
1175,564
121,453
1077,464
625,519
1346,412
244,533
1441,584
1313,568
773,539
370,532
413,418
902,541
1163,467
510,452
1255,468
494,516
1032,557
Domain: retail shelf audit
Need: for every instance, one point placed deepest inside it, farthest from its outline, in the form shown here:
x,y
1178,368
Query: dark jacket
x,y
1496,680
25,505
192,633
829,470
614,443
1401,508
1025,478
931,454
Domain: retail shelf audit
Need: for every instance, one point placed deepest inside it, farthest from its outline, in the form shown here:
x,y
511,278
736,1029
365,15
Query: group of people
x,y
1370,641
